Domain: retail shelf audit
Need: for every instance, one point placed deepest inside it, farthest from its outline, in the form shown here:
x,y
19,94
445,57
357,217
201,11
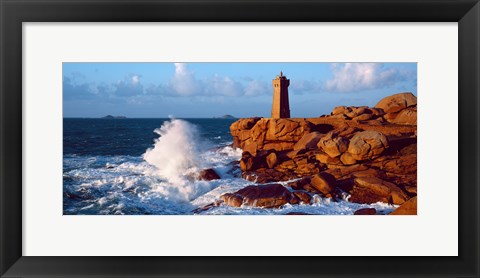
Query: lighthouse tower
x,y
280,104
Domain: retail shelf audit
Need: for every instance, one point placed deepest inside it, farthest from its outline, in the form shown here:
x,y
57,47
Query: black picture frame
x,y
14,12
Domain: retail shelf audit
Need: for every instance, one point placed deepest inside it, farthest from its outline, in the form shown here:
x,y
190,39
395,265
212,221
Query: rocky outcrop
x,y
399,108
368,152
396,103
408,208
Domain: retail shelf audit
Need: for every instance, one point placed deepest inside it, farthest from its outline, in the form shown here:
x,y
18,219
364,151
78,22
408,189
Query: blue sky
x,y
205,90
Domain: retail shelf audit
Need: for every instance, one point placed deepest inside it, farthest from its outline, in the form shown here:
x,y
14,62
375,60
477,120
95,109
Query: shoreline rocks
x,y
370,153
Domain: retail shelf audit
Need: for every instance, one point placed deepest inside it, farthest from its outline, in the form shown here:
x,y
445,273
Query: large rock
x,y
367,145
365,211
369,190
232,199
308,141
397,102
323,183
341,110
407,208
208,175
333,144
303,196
267,196
407,116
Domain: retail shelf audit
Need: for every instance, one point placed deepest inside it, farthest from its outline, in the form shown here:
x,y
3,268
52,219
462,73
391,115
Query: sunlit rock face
x,y
369,153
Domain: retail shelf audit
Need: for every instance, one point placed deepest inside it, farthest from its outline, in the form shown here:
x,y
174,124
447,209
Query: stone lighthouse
x,y
280,104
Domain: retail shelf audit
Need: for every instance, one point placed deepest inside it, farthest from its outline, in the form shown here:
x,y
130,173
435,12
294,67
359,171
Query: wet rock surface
x,y
208,175
265,196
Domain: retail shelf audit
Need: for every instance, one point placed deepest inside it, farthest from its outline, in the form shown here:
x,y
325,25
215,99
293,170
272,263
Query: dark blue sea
x,y
149,167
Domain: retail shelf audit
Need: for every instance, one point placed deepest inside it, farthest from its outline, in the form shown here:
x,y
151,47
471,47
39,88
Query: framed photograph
x,y
239,138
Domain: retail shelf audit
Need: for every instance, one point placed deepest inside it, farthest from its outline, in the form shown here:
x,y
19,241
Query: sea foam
x,y
177,158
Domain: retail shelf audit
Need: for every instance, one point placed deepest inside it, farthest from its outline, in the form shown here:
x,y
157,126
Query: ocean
x,y
148,167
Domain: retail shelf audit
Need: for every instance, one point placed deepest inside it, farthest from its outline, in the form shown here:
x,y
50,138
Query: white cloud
x,y
129,86
222,85
135,79
350,77
305,86
74,90
184,82
256,87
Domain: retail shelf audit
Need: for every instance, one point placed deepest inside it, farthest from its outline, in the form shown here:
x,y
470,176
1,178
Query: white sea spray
x,y
177,158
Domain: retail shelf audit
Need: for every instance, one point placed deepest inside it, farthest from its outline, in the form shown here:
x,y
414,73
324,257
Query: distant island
x,y
225,117
113,117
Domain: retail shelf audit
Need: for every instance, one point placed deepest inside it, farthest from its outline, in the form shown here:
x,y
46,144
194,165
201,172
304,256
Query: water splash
x,y
177,158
